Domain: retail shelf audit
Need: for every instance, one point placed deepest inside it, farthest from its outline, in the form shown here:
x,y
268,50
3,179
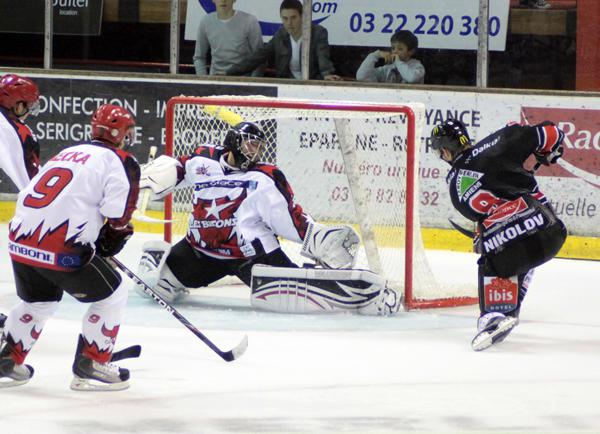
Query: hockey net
x,y
347,162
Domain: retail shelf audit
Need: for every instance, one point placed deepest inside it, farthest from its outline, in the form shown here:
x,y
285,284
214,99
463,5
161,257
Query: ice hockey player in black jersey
x,y
240,206
517,229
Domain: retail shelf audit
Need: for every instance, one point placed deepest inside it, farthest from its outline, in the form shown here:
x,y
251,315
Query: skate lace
x,y
106,368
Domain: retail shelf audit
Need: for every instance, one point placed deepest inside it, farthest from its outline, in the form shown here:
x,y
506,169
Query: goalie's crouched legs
x,y
155,272
319,290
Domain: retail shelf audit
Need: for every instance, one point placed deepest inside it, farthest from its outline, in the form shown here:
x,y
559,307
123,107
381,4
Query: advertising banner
x,y
71,17
572,185
450,24
67,104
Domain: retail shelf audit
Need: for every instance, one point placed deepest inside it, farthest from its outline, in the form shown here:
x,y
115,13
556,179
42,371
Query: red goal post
x,y
347,162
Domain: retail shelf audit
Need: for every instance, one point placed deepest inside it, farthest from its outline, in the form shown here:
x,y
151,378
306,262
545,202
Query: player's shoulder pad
x,y
213,152
270,170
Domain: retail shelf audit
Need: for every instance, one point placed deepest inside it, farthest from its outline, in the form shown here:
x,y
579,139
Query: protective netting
x,y
346,162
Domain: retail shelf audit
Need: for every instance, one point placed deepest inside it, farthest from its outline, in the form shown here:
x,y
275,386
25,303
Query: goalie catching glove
x,y
330,246
160,176
112,240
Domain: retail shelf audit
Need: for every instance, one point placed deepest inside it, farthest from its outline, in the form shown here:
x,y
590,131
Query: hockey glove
x,y
111,241
551,157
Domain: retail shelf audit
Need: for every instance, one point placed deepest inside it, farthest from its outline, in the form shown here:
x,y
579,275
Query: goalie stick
x,y
228,356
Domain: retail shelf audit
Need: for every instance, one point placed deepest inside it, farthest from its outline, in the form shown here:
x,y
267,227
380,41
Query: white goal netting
x,y
347,162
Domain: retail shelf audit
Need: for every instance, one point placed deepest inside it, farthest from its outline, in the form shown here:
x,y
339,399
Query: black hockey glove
x,y
111,241
551,157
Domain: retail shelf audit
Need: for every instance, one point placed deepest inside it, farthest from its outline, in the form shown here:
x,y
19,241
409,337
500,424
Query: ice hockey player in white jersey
x,y
73,215
19,98
240,208
20,150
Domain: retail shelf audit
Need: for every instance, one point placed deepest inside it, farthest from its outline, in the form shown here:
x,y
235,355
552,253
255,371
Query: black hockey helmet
x,y
451,134
246,141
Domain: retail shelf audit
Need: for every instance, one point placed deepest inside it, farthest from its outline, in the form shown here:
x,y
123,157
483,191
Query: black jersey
x,y
491,172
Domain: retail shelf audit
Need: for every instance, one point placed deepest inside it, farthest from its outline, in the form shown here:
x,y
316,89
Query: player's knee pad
x,y
520,235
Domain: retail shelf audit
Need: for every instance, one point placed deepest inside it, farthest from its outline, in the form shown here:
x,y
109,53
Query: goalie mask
x,y
15,89
246,141
113,124
451,135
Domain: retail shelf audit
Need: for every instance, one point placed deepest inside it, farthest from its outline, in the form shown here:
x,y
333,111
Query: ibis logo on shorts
x,y
31,253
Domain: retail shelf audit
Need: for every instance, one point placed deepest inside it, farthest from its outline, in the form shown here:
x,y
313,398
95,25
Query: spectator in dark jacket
x,y
284,49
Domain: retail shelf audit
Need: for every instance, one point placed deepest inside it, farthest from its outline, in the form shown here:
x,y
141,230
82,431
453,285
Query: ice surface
x,y
339,373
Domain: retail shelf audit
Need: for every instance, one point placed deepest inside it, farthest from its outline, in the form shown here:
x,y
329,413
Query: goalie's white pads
x,y
331,246
318,290
154,271
160,176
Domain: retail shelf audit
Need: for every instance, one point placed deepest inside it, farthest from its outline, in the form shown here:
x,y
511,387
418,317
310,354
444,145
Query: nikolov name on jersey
x,y
515,230
31,253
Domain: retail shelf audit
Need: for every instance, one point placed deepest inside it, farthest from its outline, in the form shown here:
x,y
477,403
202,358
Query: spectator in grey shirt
x,y
230,35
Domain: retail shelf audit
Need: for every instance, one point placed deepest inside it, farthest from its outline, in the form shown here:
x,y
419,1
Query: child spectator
x,y
399,64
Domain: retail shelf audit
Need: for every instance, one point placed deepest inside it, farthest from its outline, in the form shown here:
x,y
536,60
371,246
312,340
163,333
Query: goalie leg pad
x,y
155,272
312,290
331,246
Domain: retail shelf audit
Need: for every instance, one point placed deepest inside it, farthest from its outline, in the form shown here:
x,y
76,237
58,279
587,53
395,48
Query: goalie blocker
x,y
318,290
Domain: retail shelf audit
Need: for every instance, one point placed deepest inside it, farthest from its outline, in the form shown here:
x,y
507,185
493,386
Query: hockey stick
x,y
131,352
228,356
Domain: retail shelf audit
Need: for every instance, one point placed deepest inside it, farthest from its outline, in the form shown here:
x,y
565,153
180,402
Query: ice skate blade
x,y
90,385
486,339
11,383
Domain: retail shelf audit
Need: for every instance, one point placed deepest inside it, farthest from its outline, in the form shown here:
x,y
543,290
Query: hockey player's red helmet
x,y
15,89
111,123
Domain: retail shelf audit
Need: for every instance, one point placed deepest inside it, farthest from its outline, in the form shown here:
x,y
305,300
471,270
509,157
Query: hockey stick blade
x,y
131,352
466,232
228,356
144,218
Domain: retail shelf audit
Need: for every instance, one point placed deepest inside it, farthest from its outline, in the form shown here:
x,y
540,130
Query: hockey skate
x,y
12,374
492,328
90,375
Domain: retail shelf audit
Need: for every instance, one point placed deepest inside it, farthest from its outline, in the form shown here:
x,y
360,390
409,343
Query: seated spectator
x,y
284,49
230,35
399,65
